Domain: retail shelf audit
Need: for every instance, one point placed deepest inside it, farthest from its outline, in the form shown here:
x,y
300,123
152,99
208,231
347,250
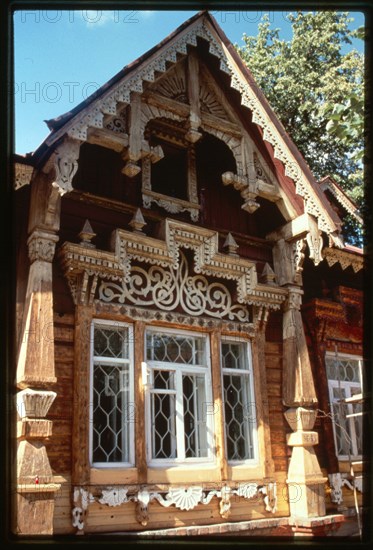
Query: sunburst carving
x,y
209,102
174,84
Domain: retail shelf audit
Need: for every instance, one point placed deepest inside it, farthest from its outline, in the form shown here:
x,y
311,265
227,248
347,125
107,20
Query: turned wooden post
x,y
35,368
305,479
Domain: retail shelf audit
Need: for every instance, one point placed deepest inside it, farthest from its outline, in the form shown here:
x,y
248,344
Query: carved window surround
x,y
83,266
184,498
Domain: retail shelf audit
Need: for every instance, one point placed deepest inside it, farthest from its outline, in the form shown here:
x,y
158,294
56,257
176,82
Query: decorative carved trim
x,y
41,246
344,258
173,85
22,174
210,103
337,481
298,255
148,315
66,164
170,204
128,246
183,498
341,198
34,403
82,499
168,289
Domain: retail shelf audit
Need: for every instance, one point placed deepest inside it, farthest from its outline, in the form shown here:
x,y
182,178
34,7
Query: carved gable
x,y
173,84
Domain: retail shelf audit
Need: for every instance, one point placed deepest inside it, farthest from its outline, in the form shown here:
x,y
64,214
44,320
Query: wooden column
x,y
140,429
35,368
133,153
305,479
221,455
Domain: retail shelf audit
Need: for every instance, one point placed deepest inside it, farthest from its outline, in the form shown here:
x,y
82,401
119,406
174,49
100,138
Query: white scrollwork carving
x,y
82,499
336,483
114,496
270,497
247,490
167,289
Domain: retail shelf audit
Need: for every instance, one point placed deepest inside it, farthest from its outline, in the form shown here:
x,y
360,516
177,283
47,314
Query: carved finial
x,y
231,245
86,235
268,275
137,222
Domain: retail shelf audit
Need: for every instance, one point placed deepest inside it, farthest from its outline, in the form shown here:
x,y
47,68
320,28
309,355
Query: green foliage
x,y
317,93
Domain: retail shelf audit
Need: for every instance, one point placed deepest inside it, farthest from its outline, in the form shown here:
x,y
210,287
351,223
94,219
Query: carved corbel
x,y
22,175
314,241
65,163
247,188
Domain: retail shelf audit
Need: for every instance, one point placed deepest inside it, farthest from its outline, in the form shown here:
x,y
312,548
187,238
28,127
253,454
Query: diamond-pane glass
x,y
345,381
234,356
344,370
111,414
163,426
195,429
237,402
187,350
111,342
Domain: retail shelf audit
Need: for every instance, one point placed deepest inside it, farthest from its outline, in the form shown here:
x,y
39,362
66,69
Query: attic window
x,y
170,182
169,175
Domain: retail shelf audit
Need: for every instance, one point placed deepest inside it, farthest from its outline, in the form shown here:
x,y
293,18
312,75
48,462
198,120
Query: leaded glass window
x,y
111,394
239,406
178,397
345,381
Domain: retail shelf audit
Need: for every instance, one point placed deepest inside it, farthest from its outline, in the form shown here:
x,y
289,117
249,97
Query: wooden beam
x,y
193,134
296,228
107,138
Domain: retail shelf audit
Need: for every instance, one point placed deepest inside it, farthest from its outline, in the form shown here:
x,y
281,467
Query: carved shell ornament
x,y
185,498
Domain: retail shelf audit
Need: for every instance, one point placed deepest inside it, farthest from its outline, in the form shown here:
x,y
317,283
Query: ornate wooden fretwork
x,y
184,498
344,258
79,264
22,174
337,481
167,289
121,92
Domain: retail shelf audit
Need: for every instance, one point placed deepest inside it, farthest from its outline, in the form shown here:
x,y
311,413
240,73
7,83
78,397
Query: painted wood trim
x,y
215,348
140,429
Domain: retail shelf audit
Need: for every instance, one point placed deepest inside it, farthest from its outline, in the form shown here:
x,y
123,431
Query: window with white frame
x,y
345,381
239,404
112,437
178,397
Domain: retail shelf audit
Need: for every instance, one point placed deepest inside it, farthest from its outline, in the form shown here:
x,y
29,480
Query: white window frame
x,y
346,386
131,400
237,372
179,369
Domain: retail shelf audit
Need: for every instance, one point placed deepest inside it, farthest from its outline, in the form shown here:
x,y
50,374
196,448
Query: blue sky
x,y
61,57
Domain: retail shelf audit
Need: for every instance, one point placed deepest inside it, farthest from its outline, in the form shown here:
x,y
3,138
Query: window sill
x,y
114,475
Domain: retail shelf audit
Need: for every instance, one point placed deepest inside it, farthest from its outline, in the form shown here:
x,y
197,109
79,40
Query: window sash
x,y
181,371
248,426
351,425
124,412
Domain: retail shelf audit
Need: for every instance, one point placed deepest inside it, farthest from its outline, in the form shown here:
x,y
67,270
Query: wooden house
x,y
168,376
